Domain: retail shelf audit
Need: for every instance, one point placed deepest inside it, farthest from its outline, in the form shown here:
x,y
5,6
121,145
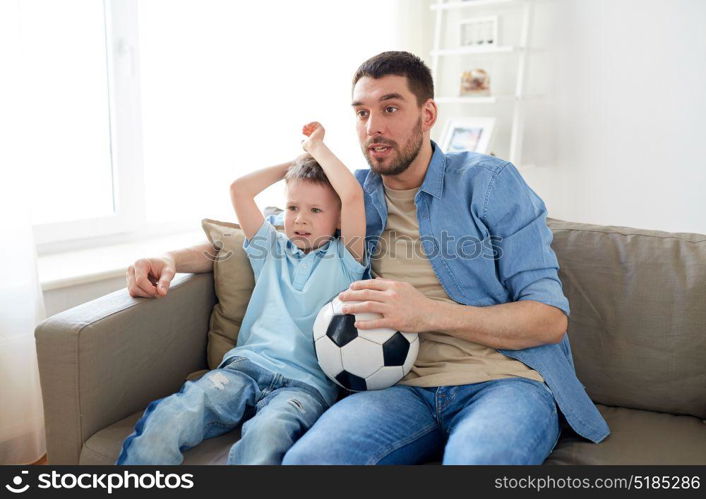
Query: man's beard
x,y
405,156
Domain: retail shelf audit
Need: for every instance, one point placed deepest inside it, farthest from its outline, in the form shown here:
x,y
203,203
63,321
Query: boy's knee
x,y
138,450
150,448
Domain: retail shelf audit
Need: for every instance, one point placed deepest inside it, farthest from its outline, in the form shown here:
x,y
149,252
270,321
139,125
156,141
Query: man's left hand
x,y
402,307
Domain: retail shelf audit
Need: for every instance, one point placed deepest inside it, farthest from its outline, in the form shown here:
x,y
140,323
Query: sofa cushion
x,y
104,447
233,282
638,320
638,437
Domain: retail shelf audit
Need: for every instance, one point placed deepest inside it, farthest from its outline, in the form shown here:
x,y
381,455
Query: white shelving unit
x,y
455,5
440,52
473,50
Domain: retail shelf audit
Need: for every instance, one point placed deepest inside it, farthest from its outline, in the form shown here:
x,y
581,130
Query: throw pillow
x,y
233,281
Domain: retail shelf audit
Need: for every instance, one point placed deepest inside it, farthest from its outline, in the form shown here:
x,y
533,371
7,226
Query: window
x,y
65,103
80,82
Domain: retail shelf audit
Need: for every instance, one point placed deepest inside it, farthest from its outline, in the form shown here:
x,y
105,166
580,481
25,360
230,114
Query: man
x,y
494,375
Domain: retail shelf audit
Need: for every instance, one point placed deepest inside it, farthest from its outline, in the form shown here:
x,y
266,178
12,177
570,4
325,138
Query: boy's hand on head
x,y
315,131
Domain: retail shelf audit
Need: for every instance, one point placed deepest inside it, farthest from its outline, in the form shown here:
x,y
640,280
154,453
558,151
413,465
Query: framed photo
x,y
468,134
475,82
479,31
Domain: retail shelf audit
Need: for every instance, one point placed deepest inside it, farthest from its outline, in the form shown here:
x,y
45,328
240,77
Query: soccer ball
x,y
360,360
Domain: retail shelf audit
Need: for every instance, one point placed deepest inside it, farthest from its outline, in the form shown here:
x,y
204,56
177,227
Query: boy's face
x,y
312,215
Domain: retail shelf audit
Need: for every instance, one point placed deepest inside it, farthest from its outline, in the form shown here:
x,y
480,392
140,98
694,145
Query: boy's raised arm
x,y
243,192
345,185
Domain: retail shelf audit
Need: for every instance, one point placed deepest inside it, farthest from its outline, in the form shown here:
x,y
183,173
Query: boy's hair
x,y
398,63
306,168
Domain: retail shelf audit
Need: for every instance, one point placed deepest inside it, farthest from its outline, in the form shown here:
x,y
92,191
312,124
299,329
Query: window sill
x,y
71,268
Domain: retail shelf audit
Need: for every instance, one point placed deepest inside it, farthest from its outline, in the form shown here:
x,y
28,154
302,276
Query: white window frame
x,y
128,223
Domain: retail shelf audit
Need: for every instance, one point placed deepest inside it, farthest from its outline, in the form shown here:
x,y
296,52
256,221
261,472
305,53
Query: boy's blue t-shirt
x,y
290,289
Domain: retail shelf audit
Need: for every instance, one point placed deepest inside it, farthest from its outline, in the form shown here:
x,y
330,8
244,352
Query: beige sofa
x,y
637,329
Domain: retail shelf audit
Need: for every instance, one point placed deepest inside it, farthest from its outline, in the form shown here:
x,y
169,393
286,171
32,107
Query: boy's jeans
x,y
505,421
278,411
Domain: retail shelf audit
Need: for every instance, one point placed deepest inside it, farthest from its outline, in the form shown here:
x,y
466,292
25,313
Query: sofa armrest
x,y
107,358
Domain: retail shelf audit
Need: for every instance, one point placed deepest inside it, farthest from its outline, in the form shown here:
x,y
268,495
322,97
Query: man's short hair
x,y
399,63
306,168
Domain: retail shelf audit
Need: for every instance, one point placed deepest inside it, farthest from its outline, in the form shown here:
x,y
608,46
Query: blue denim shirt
x,y
485,234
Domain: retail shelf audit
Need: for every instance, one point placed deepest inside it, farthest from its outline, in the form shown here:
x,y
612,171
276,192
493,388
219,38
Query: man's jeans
x,y
278,411
506,421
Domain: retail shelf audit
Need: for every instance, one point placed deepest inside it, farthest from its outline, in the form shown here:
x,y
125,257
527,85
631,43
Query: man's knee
x,y
316,447
298,455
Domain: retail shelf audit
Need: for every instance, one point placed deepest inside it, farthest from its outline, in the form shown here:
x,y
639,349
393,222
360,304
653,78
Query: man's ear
x,y
429,114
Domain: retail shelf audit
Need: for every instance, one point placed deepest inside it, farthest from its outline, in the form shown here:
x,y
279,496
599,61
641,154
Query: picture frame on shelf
x,y
468,134
474,83
478,32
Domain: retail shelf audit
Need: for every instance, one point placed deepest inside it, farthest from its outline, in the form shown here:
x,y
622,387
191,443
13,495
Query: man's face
x,y
313,214
389,123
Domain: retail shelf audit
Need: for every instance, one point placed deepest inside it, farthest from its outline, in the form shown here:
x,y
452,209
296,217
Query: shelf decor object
x,y
475,83
479,32
468,134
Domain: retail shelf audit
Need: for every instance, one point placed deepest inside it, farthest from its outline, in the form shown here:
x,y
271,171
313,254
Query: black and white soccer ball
x,y
360,360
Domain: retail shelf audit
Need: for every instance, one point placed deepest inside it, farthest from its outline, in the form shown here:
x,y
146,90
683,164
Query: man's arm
x,y
195,259
511,326
150,277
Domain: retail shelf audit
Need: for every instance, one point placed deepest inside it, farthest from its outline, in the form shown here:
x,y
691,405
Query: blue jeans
x,y
278,411
506,421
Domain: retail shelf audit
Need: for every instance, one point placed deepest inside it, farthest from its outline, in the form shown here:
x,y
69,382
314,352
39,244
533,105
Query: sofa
x,y
637,330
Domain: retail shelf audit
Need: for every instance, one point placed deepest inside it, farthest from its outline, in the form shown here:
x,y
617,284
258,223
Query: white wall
x,y
627,94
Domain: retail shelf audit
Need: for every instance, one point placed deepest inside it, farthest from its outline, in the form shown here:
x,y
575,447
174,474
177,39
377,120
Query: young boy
x,y
271,379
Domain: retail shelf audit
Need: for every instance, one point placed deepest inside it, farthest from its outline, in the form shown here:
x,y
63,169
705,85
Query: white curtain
x,y
21,303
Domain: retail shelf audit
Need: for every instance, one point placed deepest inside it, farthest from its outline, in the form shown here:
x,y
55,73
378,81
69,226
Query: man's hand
x,y
402,307
315,131
150,277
